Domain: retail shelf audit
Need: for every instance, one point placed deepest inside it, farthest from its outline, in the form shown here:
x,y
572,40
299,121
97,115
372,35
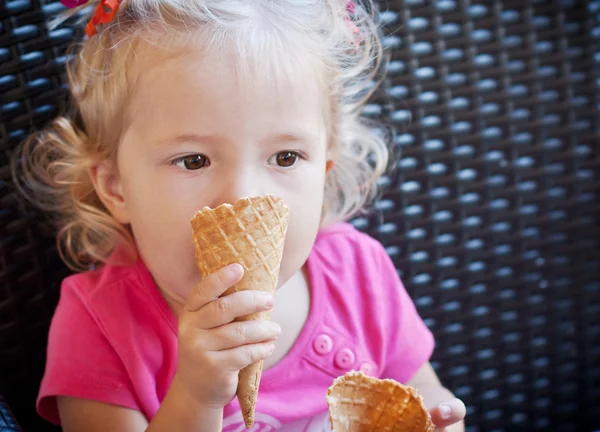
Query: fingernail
x,y
233,271
271,348
277,330
268,299
445,411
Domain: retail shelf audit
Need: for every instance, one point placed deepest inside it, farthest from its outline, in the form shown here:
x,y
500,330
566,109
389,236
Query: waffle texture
x,y
359,403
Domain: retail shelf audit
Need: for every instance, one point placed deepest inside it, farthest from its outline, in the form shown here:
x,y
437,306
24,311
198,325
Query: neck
x,y
175,302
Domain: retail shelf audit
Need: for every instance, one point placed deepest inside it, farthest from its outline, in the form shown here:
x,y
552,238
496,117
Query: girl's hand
x,y
448,413
213,348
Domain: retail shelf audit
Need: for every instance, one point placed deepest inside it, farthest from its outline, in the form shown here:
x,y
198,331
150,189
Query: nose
x,y
239,182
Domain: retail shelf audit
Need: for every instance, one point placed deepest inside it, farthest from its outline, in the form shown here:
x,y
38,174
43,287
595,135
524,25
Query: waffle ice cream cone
x,y
250,232
358,403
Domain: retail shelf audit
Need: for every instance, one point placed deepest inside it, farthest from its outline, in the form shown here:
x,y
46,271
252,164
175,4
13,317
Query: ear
x,y
107,184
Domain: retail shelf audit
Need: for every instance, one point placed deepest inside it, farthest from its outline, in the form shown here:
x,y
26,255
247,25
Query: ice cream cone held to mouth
x,y
250,232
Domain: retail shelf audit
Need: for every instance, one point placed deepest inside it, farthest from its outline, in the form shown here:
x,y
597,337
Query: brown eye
x,y
286,159
193,162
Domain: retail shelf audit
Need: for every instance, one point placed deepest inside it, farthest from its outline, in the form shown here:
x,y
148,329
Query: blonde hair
x,y
51,168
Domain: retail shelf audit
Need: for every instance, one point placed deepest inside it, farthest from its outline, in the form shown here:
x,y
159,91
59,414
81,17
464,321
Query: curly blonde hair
x,y
51,167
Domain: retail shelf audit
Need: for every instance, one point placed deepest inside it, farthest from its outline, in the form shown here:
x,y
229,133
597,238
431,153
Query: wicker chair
x,y
7,419
492,217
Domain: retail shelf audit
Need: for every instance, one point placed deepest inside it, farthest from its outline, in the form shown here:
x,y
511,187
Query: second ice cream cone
x,y
250,232
358,403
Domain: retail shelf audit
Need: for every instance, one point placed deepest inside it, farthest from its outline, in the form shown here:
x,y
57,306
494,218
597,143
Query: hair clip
x,y
104,13
351,7
350,12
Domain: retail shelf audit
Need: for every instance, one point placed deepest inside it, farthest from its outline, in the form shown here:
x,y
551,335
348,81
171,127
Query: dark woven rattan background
x,y
492,217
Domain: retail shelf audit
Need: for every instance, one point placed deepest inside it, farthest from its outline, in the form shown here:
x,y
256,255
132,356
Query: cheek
x,y
160,220
303,228
157,200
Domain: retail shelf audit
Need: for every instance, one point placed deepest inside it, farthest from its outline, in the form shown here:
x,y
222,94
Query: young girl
x,y
181,104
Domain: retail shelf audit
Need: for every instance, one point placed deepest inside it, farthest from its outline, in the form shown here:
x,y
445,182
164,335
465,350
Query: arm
x,y
436,397
87,415
194,401
177,412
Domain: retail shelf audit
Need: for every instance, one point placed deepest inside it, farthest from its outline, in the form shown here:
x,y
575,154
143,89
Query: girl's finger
x,y
213,286
238,358
241,333
448,413
225,309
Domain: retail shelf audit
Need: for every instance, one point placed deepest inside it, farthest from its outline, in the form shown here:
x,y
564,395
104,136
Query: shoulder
x,y
111,324
347,240
361,290
114,297
353,266
82,356
357,271
115,292
94,304
369,303
341,246
343,230
100,281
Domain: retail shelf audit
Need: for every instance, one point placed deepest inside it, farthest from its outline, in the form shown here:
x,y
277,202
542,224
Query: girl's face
x,y
196,138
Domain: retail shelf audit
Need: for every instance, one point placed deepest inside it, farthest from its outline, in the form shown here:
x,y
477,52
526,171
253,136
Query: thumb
x,y
448,413
213,286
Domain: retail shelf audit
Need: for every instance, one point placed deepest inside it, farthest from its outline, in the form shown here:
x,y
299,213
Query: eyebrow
x,y
190,138
216,139
291,138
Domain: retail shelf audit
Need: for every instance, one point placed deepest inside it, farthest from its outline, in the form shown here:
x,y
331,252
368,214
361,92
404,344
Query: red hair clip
x,y
104,13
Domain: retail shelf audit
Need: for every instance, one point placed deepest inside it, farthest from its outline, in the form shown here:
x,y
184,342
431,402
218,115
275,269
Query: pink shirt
x,y
113,337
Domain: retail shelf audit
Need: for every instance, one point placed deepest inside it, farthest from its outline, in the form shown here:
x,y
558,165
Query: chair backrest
x,y
8,423
492,217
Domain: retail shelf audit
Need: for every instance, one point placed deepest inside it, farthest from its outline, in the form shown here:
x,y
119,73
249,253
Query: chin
x,y
283,280
288,272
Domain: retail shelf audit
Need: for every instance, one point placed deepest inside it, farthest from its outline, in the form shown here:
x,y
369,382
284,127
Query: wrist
x,y
180,394
182,412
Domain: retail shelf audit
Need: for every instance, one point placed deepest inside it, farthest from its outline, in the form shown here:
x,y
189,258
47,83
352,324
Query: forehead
x,y
240,77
